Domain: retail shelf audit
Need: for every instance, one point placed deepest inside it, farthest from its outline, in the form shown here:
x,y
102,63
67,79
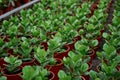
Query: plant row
x,y
109,68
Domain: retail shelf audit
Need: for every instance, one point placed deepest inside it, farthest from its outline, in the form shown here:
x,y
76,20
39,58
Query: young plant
x,y
12,31
35,31
108,55
75,65
41,56
55,44
13,43
35,73
3,78
67,34
63,76
92,43
106,72
13,64
3,45
81,13
85,50
25,49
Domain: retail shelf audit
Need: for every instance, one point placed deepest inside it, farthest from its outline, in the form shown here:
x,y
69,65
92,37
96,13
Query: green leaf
x,y
71,54
28,73
100,55
3,78
61,74
109,49
106,35
84,67
93,75
94,43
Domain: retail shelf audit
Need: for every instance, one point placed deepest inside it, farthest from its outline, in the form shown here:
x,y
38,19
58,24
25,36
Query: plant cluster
x,y
56,23
35,73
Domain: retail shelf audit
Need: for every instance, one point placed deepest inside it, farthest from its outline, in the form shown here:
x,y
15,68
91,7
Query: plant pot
x,y
6,38
105,61
77,38
90,66
2,62
18,3
98,68
31,63
87,77
55,68
92,56
61,55
9,8
71,45
51,34
83,78
52,76
1,12
10,52
26,1
16,76
89,15
45,45
118,68
93,7
101,32
99,39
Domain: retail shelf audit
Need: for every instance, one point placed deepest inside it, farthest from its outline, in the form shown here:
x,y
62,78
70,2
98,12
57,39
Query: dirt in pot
x,y
16,71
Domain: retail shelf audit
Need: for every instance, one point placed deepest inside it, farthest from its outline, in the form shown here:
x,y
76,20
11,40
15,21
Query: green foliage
x,y
35,73
3,78
81,48
63,76
12,31
13,64
3,45
67,34
35,32
55,44
75,65
41,57
25,49
109,53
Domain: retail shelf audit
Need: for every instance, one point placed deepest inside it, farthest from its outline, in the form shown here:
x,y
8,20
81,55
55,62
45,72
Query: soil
x,y
19,70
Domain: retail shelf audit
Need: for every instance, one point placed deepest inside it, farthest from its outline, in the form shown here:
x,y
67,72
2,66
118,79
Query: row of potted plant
x,y
108,69
53,44
82,48
16,41
7,5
